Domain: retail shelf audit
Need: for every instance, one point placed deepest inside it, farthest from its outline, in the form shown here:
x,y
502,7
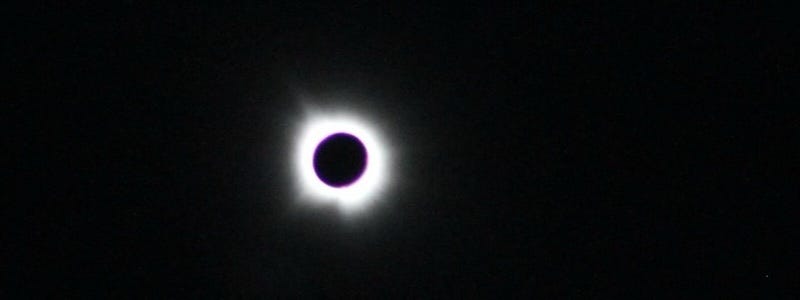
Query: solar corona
x,y
340,160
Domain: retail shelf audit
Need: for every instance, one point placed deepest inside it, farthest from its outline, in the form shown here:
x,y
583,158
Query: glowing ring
x,y
357,194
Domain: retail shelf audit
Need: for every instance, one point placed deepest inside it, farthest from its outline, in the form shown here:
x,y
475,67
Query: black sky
x,y
585,150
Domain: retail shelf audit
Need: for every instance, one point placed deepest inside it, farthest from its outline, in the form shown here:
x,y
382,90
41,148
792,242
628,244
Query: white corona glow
x,y
365,188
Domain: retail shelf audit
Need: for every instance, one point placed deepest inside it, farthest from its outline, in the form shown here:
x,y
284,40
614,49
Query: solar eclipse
x,y
340,160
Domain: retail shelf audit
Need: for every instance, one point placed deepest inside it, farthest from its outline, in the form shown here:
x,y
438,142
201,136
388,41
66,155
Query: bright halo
x,y
365,188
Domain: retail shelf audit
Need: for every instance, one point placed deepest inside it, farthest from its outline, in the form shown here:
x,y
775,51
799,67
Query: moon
x,y
340,159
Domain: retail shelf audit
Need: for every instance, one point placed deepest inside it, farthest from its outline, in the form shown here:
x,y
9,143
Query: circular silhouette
x,y
340,159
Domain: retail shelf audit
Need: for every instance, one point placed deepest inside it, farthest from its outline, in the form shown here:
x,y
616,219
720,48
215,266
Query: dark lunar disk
x,y
340,159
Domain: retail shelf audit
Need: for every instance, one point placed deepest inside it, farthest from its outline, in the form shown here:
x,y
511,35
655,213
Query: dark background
x,y
563,149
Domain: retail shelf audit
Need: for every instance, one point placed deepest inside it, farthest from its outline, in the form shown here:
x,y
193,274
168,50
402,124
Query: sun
x,y
360,193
